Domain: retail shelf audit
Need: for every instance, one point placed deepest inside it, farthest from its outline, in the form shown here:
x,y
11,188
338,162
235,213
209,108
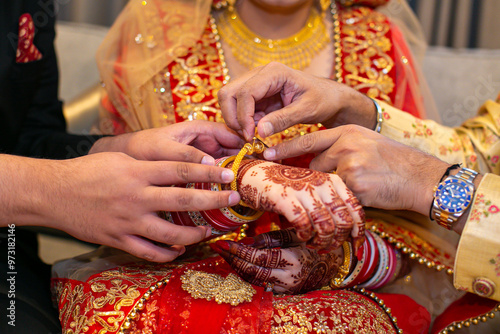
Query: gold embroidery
x,y
368,63
335,313
200,76
231,289
105,305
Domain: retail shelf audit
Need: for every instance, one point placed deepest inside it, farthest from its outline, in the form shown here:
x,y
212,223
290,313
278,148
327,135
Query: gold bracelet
x,y
344,268
256,147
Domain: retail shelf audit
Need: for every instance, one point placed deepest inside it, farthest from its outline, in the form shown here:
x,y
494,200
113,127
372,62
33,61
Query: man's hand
x,y
275,97
197,141
112,199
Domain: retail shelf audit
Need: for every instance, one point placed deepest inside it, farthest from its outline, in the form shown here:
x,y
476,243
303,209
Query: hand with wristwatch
x,y
453,197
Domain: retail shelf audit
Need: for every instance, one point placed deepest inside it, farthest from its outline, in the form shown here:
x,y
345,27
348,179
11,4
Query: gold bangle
x,y
256,147
337,280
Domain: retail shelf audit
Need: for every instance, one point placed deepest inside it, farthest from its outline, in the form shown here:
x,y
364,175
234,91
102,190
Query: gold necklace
x,y
252,50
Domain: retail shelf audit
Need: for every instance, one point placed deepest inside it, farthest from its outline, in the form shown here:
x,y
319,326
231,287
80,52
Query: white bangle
x,y
380,116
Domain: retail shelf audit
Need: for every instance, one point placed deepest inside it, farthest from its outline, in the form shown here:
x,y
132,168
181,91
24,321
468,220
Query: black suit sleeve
x,y
43,131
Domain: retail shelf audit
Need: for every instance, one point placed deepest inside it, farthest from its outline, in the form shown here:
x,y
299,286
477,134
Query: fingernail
x,y
208,233
247,241
234,198
182,251
267,128
360,252
246,135
227,176
224,245
208,160
270,154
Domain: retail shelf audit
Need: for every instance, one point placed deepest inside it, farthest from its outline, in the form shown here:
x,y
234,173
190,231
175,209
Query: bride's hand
x,y
292,269
319,205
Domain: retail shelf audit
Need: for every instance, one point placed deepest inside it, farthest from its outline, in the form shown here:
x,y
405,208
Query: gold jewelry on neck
x,y
252,50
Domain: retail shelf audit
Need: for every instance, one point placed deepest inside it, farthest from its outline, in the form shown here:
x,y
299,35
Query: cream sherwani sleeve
x,y
475,144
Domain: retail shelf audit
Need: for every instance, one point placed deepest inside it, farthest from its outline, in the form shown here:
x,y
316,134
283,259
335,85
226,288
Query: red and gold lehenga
x,y
160,65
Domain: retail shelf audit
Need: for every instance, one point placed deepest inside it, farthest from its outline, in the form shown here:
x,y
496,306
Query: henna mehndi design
x,y
303,226
293,177
249,195
245,166
279,238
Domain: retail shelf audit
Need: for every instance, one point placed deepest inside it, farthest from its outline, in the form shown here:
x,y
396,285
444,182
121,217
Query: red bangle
x,y
372,264
382,266
390,267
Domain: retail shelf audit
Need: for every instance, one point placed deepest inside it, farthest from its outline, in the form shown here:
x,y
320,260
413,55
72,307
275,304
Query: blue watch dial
x,y
454,195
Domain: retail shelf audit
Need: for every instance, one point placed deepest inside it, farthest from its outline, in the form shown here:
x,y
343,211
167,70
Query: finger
x,y
281,119
210,137
354,208
266,258
302,224
325,226
274,239
182,199
227,137
343,221
157,229
227,152
267,81
228,101
170,150
145,249
310,143
252,273
312,220
169,173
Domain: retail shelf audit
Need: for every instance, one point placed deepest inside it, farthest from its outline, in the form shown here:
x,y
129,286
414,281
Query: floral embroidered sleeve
x,y
476,144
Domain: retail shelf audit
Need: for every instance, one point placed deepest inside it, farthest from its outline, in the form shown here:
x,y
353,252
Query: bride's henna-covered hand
x,y
292,269
319,205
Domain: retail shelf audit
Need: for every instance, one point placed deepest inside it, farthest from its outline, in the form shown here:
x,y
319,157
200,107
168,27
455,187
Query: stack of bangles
x,y
224,220
377,263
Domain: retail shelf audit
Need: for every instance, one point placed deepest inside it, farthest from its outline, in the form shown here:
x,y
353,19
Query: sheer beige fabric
x,y
127,76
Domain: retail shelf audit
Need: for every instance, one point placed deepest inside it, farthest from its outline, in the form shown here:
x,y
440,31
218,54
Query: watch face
x,y
454,195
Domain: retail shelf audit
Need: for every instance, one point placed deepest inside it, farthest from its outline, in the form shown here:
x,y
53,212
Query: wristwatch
x,y
452,197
